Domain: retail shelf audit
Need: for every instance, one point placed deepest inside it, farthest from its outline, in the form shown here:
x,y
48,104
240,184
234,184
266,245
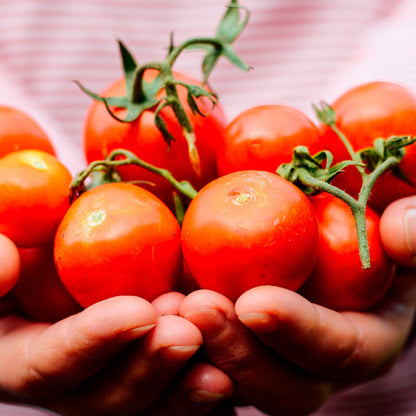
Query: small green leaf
x,y
325,113
129,66
230,26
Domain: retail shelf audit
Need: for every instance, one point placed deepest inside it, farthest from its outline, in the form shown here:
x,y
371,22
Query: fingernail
x,y
177,353
259,321
204,397
134,333
410,229
212,320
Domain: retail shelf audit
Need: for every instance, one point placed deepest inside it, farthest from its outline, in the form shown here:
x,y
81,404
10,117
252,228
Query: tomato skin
x,y
19,131
103,133
249,228
338,280
365,113
10,265
39,291
264,137
34,196
117,239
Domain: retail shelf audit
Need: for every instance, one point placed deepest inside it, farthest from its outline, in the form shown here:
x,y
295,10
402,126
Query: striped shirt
x,y
301,52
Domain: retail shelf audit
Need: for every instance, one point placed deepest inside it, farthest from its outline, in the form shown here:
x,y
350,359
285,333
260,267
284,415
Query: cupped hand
x,y
115,357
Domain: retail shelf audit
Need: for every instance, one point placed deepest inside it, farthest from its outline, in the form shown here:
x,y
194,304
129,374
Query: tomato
x,y
34,189
9,264
365,113
39,291
118,239
103,133
338,280
264,137
249,228
19,131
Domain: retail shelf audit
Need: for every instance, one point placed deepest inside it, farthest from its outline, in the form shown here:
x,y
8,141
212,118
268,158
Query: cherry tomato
x,y
103,133
39,291
338,280
365,113
19,131
118,239
264,137
34,189
9,264
249,228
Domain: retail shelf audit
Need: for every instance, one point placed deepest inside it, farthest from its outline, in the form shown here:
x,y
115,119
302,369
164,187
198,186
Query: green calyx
x,y
313,174
142,95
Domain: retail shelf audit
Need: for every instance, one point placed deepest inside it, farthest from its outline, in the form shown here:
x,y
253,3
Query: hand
x,y
287,355
115,357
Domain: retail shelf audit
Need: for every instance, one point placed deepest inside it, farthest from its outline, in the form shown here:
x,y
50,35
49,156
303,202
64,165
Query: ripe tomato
x,y
9,264
264,137
103,133
365,113
39,291
118,239
249,228
338,280
34,189
19,131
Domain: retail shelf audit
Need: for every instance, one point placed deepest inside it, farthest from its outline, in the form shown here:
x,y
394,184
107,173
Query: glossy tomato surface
x,y
10,265
34,196
103,133
264,137
39,291
338,280
19,131
117,239
365,113
249,228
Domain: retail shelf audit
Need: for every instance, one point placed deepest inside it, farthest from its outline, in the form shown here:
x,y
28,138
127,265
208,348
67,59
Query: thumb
x,y
398,231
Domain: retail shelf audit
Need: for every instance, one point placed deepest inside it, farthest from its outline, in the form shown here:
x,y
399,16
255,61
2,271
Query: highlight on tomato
x,y
103,133
34,196
249,228
338,280
363,114
118,239
19,131
263,137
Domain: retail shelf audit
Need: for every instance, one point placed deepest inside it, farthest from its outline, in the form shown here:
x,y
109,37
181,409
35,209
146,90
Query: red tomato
x,y
338,280
34,189
18,131
247,229
9,264
39,291
365,113
103,133
118,239
264,137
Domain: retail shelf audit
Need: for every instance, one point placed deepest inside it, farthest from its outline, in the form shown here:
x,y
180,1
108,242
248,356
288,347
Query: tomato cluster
x,y
247,226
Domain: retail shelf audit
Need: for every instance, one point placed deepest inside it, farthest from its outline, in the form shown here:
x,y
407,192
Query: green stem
x,y
357,208
130,158
354,156
371,178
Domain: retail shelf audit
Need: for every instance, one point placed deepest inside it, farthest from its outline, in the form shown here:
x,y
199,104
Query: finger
x,y
261,377
341,346
168,303
202,388
398,231
39,359
137,378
